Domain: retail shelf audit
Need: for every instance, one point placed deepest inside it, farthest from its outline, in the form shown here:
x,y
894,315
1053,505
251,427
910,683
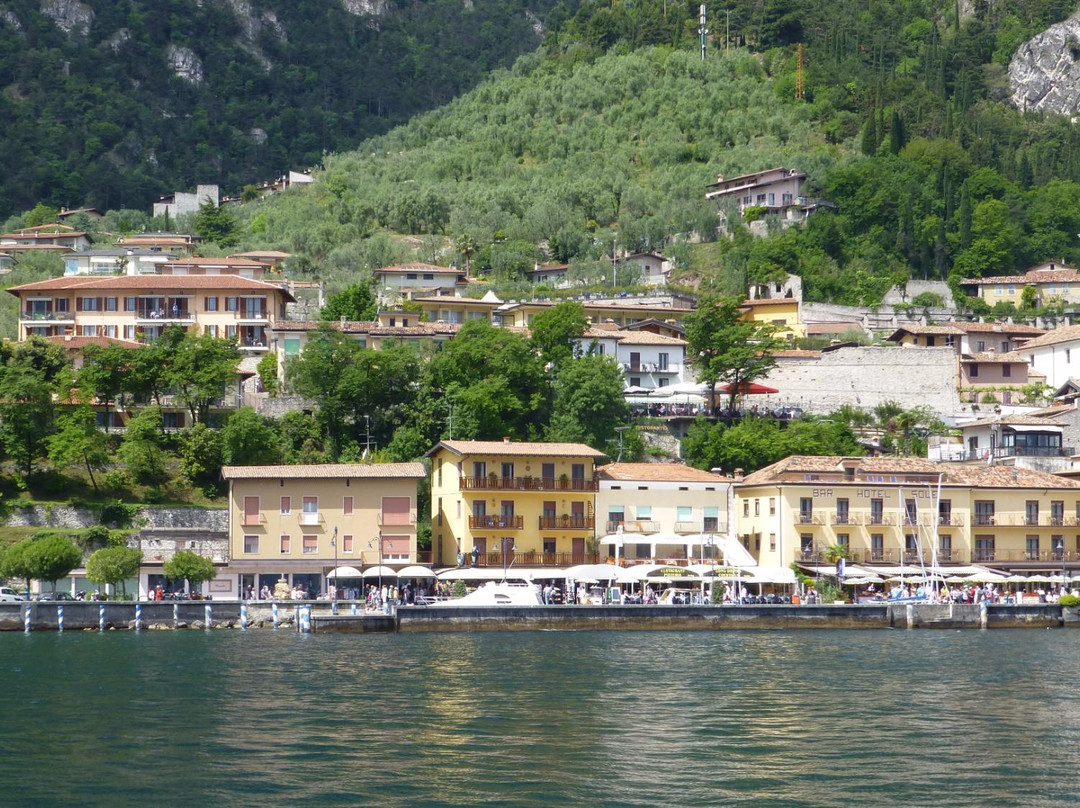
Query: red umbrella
x,y
748,389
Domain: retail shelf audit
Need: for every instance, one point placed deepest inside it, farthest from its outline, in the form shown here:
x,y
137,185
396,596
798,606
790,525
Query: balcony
x,y
687,527
567,521
252,315
951,519
843,519
651,367
496,522
534,558
47,316
252,519
984,520
880,519
633,526
311,518
147,316
810,519
495,483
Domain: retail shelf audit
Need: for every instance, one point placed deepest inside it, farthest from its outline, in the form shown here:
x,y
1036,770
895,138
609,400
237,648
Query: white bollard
x,y
305,619
138,616
206,613
243,615
354,607
26,617
59,616
273,609
175,615
101,617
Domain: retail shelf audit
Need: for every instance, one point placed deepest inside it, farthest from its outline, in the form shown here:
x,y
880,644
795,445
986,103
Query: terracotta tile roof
x,y
152,283
1057,409
926,330
658,472
1065,274
326,470
1008,420
214,262
991,357
430,268
773,301
1066,333
953,474
648,338
507,448
996,328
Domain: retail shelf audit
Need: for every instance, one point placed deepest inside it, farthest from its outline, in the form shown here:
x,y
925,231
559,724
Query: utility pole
x,y
702,30
727,30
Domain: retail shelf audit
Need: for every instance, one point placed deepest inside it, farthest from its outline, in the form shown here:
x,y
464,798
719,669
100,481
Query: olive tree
x,y
190,567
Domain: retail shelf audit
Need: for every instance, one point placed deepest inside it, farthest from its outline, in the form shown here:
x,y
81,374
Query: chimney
x,y
737,474
506,441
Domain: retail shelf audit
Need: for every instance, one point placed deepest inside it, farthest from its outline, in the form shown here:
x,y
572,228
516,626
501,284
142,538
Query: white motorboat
x,y
498,593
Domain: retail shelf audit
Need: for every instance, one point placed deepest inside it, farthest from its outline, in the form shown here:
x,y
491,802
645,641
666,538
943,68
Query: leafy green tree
x,y
496,380
78,441
103,374
589,403
215,223
114,565
754,443
268,374
191,567
248,439
52,557
726,348
142,449
151,368
27,411
41,214
355,303
16,562
553,331
201,455
202,368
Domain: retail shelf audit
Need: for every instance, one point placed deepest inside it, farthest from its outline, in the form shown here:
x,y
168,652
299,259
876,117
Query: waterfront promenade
x,y
316,616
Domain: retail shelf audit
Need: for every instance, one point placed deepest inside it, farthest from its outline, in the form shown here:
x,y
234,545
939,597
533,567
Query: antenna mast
x,y
702,30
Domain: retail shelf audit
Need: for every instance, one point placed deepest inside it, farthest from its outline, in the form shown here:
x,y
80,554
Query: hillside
x,y
112,103
611,132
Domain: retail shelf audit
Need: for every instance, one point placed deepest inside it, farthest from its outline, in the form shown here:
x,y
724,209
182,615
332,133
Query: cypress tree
x,y
897,138
964,217
869,135
1027,176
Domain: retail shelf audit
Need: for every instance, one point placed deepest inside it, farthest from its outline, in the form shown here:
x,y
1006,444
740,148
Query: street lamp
x,y
712,563
1061,549
370,543
333,592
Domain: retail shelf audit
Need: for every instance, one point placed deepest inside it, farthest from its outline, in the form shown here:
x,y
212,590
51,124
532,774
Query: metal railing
x,y
633,526
46,316
534,558
495,483
496,522
567,521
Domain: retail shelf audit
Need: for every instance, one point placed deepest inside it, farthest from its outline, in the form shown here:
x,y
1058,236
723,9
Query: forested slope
x,y
115,102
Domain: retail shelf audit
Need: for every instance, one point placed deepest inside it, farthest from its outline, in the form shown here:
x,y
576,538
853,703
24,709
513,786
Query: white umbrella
x,y
383,571
415,571
344,572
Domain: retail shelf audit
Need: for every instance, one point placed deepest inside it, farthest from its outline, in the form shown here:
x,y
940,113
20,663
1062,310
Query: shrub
x,y
1070,600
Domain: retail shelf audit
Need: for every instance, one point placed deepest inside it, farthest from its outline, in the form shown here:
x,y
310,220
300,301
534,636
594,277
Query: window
x,y
347,506
1031,548
171,420
806,510
110,331
89,304
251,544
210,303
980,345
409,276
998,289
286,545
806,545
662,362
110,304
346,544
508,471
684,513
877,512
842,512
757,507
549,546
1031,512
1057,513
945,512
310,515
286,506
974,371
644,513
292,346
129,304
129,332
842,540
877,547
231,304
310,544
1006,371
746,507
429,276
711,522
772,506
396,511
945,547
984,512
772,542
984,548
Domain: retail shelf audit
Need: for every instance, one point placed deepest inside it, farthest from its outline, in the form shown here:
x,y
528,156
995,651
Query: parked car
x,y
8,594
52,596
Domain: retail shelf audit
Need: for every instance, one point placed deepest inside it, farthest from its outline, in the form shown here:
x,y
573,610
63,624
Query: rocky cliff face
x,y
1044,74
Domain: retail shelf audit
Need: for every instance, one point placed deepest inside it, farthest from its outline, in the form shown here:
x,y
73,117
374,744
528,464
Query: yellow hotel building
x,y
284,521
889,510
533,503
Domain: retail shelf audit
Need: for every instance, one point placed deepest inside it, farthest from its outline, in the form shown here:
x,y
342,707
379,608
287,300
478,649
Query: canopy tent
x,y
770,575
344,572
415,571
682,388
496,573
380,572
600,572
747,389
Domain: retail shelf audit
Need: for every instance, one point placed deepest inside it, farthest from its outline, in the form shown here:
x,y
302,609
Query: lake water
x,y
814,718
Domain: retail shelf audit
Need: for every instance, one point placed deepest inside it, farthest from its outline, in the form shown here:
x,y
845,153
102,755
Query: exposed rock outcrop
x,y
373,8
71,16
8,18
1044,73
185,63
